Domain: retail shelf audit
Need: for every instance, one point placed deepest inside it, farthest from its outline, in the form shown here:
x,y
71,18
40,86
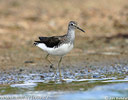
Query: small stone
x,y
42,77
21,70
29,62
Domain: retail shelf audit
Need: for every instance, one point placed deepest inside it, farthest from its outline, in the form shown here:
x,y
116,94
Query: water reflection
x,y
77,90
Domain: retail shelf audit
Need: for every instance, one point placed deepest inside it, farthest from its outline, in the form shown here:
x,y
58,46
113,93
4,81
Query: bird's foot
x,y
51,66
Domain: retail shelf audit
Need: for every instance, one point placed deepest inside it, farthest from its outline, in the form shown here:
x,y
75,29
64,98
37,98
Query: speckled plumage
x,y
49,44
59,45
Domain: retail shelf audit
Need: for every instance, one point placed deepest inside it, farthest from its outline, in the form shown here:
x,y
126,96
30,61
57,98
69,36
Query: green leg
x,y
48,59
51,66
60,68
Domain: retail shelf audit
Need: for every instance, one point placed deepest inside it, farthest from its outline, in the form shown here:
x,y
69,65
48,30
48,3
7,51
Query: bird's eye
x,y
71,24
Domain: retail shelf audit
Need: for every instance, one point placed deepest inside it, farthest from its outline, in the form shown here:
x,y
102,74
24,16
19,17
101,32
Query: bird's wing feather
x,y
50,41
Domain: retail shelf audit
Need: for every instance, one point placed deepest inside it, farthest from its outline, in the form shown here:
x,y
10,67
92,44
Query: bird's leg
x,y
51,66
48,59
59,63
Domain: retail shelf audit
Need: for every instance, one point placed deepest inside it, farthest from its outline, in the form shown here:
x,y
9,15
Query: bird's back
x,y
51,42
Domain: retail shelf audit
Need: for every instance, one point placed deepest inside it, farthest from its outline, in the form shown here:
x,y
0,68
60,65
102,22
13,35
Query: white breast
x,y
58,51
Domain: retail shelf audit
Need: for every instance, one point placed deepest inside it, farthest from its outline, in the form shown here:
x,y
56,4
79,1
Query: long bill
x,y
80,29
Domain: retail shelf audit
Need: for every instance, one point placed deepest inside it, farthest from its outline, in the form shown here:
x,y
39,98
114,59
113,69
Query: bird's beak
x,y
80,29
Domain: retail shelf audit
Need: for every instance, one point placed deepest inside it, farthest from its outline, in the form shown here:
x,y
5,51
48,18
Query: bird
x,y
59,45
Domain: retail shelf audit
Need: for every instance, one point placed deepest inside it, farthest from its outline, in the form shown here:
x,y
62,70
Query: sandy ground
x,y
104,43
92,54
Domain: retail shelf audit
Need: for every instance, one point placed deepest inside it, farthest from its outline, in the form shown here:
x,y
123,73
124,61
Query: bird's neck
x,y
71,34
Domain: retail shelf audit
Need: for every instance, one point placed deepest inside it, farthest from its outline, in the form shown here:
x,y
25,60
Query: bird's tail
x,y
36,43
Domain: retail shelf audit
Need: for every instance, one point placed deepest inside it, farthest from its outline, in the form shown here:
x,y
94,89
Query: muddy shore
x,y
105,43
92,60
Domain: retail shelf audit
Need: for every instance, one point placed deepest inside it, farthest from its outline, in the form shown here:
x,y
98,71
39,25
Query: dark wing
x,y
49,41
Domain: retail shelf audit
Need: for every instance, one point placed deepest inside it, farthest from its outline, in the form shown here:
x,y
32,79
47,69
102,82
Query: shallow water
x,y
93,83
81,90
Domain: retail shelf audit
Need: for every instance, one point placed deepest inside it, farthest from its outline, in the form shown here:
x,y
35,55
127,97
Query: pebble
x,y
12,76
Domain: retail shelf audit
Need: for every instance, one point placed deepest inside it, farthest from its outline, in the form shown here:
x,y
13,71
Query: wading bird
x,y
59,45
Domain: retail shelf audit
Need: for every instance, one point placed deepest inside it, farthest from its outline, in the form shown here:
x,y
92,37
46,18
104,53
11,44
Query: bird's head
x,y
73,25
